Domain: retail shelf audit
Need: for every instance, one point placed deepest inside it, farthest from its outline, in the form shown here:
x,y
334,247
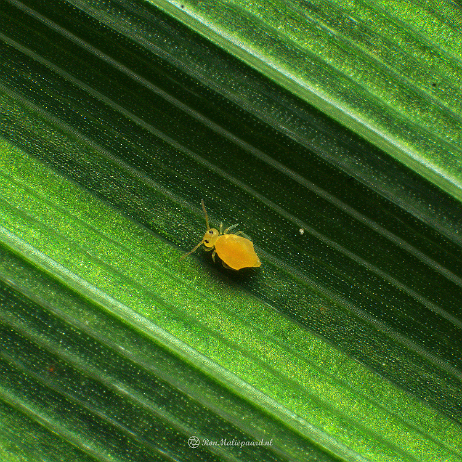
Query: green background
x,y
330,132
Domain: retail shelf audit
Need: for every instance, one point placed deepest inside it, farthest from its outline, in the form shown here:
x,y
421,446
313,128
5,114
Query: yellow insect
x,y
236,252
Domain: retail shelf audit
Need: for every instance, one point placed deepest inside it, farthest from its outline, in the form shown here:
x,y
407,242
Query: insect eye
x,y
210,232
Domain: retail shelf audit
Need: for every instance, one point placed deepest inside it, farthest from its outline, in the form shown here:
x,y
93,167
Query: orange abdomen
x,y
236,251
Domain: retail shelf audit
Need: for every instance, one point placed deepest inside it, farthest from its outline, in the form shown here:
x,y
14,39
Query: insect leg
x,y
229,228
240,233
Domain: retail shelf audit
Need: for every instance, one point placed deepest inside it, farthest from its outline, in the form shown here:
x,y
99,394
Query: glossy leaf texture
x,y
116,120
391,71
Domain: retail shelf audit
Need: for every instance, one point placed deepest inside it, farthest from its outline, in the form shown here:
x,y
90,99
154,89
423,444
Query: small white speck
x,y
301,231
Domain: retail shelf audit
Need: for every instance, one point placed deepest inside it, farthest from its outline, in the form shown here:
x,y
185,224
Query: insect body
x,y
235,251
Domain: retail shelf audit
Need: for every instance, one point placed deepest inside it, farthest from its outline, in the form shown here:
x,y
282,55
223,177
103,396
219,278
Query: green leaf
x,y
116,120
389,71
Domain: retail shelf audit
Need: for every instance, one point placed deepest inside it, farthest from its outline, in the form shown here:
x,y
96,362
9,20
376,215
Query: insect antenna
x,y
205,213
193,250
208,227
